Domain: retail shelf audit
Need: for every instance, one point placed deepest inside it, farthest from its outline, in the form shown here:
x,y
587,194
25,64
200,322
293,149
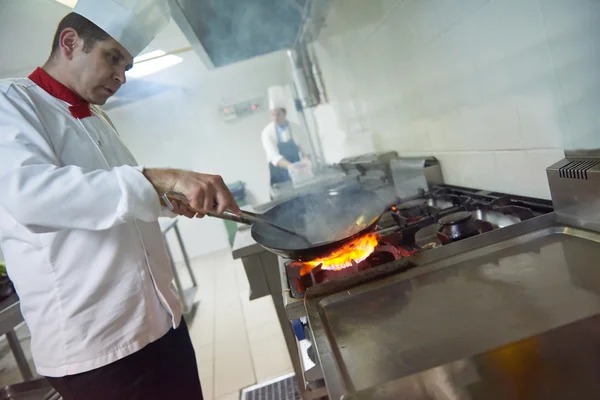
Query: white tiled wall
x,y
496,89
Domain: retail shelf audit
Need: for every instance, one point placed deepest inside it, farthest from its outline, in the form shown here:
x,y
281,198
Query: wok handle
x,y
229,216
245,217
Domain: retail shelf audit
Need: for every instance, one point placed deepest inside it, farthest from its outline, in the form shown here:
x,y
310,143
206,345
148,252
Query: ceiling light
x,y
148,56
149,67
68,3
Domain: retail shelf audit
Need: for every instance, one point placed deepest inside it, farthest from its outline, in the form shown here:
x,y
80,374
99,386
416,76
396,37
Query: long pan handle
x,y
227,215
245,217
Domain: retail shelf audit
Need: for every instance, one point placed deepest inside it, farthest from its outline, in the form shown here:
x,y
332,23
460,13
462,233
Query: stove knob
x,y
298,327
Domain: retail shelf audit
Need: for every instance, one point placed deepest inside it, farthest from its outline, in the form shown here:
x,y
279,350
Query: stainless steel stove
x,y
406,233
441,216
501,299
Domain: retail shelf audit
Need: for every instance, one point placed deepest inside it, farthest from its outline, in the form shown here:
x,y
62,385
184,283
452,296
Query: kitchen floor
x,y
238,342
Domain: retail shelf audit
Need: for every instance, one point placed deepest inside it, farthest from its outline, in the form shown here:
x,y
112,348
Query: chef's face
x,y
99,72
279,116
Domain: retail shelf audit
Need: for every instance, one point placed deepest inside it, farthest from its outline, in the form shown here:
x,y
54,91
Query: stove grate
x,y
284,388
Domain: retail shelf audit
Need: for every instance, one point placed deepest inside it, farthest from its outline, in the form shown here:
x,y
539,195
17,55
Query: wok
x,y
327,219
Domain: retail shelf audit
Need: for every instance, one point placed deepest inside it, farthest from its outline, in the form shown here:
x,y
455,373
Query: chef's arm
x,y
164,211
44,196
283,163
269,142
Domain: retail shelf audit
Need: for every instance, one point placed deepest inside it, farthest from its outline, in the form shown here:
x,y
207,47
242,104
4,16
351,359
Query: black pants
x,y
165,370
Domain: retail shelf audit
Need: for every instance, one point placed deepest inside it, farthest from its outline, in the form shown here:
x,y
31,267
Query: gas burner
x,y
521,213
413,210
446,201
460,225
383,253
440,203
389,248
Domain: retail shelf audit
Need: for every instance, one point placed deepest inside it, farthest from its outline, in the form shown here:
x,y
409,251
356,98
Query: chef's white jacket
x,y
79,233
269,140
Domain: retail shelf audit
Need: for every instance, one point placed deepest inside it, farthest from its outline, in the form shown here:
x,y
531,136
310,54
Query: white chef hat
x,y
277,97
132,23
283,97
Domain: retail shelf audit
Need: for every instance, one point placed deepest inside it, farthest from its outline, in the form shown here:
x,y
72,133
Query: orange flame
x,y
357,251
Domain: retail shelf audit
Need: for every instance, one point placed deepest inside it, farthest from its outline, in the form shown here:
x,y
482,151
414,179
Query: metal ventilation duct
x,y
307,77
223,32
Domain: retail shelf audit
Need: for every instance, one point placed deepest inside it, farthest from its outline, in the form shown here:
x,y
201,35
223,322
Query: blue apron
x,y
288,150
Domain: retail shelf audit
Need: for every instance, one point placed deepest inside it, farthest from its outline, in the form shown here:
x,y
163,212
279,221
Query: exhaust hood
x,y
224,32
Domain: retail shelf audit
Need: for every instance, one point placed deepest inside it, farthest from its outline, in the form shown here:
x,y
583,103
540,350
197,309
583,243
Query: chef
x,y
78,217
280,139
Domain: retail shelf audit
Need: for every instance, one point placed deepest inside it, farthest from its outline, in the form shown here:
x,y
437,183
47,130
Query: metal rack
x,y
186,295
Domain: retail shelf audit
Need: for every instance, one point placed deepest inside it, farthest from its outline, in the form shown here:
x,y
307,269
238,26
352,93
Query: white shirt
x,y
269,141
79,233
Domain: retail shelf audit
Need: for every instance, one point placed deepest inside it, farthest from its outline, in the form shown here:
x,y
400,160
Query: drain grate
x,y
284,388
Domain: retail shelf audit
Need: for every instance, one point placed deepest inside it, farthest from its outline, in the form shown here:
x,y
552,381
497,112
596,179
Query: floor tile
x,y
202,329
230,396
206,372
258,332
270,358
233,371
260,312
205,354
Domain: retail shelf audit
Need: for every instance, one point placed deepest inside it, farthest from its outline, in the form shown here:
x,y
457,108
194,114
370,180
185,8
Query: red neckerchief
x,y
79,108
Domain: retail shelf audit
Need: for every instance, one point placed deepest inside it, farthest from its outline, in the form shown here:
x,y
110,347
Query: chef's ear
x,y
68,41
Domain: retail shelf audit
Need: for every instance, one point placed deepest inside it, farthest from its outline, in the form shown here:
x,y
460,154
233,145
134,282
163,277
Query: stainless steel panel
x,y
255,272
456,307
408,176
561,364
575,188
294,308
433,173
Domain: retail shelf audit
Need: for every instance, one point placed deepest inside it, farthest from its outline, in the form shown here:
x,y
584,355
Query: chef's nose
x,y
120,76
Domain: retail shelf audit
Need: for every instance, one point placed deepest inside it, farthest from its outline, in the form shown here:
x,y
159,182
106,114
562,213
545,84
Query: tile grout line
x,y
245,328
214,332
462,152
238,299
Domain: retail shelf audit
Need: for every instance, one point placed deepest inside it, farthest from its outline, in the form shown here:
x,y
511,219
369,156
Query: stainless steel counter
x,y
244,245
496,308
186,296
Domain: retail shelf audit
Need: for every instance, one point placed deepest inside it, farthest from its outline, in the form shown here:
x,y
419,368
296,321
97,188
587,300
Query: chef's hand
x,y
180,208
206,193
283,163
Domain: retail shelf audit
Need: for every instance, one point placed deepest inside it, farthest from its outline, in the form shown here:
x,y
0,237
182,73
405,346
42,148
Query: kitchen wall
x,y
496,89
